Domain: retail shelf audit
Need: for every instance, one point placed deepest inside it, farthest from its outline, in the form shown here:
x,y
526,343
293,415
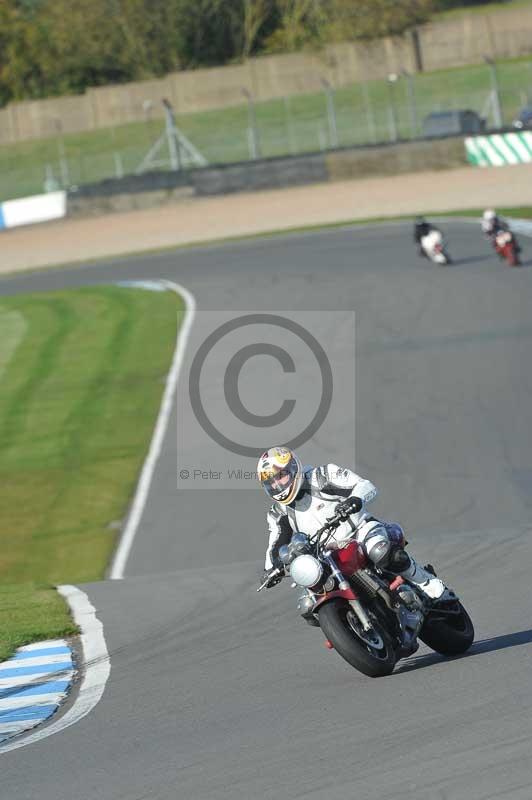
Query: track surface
x,y
217,693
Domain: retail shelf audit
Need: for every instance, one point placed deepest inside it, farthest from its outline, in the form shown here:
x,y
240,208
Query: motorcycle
x,y
506,247
371,617
434,247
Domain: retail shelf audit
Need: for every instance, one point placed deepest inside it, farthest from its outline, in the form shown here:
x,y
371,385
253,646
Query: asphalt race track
x,y
217,693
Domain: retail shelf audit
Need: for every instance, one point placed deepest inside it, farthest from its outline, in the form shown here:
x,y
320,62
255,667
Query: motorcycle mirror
x,y
284,554
299,542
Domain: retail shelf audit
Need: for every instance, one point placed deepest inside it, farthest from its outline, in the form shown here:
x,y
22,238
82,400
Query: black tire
x,y
512,255
450,636
335,623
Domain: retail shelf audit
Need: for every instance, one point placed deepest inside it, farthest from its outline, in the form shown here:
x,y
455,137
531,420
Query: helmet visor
x,y
279,481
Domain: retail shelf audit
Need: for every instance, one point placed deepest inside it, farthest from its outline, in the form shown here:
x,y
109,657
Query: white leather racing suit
x,y
492,226
323,488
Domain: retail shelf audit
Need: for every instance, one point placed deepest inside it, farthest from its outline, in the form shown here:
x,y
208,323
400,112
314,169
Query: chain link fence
x,y
369,113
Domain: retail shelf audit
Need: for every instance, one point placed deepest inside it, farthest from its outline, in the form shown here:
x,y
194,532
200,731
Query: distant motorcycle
x,y
371,617
506,247
434,247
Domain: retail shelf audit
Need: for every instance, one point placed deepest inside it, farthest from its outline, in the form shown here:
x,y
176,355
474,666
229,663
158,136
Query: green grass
x,y
81,376
486,8
518,212
297,125
30,613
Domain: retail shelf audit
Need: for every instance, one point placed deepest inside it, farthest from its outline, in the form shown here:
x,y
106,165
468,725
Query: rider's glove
x,y
350,506
274,580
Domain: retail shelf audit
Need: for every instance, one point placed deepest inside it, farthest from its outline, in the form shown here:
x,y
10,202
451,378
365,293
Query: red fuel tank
x,y
350,558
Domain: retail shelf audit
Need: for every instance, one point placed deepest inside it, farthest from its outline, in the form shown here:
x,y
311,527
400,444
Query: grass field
x,y
81,374
294,125
504,5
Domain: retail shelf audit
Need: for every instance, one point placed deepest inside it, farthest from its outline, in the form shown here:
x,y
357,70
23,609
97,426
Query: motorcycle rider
x,y
421,228
304,498
492,224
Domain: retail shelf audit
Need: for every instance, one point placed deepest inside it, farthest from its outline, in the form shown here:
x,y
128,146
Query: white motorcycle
x,y
434,247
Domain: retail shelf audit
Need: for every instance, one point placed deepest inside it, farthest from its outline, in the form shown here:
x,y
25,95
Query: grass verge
x,y
81,374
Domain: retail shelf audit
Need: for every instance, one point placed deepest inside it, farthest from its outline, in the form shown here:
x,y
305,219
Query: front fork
x,y
344,586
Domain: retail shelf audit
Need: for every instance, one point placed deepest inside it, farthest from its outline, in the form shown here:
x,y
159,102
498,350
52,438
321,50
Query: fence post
x,y
322,138
497,113
331,112
63,163
292,142
412,108
119,166
370,117
254,140
50,183
173,141
394,130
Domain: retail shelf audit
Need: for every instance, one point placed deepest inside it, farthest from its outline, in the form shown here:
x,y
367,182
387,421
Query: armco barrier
x,y
498,150
39,208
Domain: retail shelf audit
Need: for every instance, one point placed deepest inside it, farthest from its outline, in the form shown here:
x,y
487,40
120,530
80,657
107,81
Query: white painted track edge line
x,y
96,668
139,501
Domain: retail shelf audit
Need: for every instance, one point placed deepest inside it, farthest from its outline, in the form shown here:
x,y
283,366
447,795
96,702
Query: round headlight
x,y
306,570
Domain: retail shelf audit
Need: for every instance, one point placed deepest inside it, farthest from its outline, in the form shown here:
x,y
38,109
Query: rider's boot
x,y
432,586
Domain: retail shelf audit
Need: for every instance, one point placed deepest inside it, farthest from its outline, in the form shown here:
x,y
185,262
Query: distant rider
x,y
492,224
421,228
304,497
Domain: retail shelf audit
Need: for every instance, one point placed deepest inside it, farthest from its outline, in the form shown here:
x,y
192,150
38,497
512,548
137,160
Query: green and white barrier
x,y
499,150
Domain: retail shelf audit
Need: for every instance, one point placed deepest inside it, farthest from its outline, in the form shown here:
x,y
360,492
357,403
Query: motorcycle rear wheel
x,y
450,636
371,653
448,259
512,257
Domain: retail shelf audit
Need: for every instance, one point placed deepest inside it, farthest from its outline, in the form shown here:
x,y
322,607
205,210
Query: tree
x,y
302,23
369,19
50,47
315,22
21,41
255,13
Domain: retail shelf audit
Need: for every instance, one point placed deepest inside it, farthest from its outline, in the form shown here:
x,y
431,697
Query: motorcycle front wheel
x,y
450,635
370,652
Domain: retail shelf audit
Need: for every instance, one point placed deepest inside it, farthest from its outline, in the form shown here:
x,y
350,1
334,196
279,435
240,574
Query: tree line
x,y
55,47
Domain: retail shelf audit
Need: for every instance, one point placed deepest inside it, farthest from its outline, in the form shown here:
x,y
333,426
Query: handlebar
x,y
330,526
335,521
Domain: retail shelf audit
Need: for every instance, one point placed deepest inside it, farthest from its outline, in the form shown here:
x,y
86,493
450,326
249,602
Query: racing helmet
x,y
281,474
489,215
